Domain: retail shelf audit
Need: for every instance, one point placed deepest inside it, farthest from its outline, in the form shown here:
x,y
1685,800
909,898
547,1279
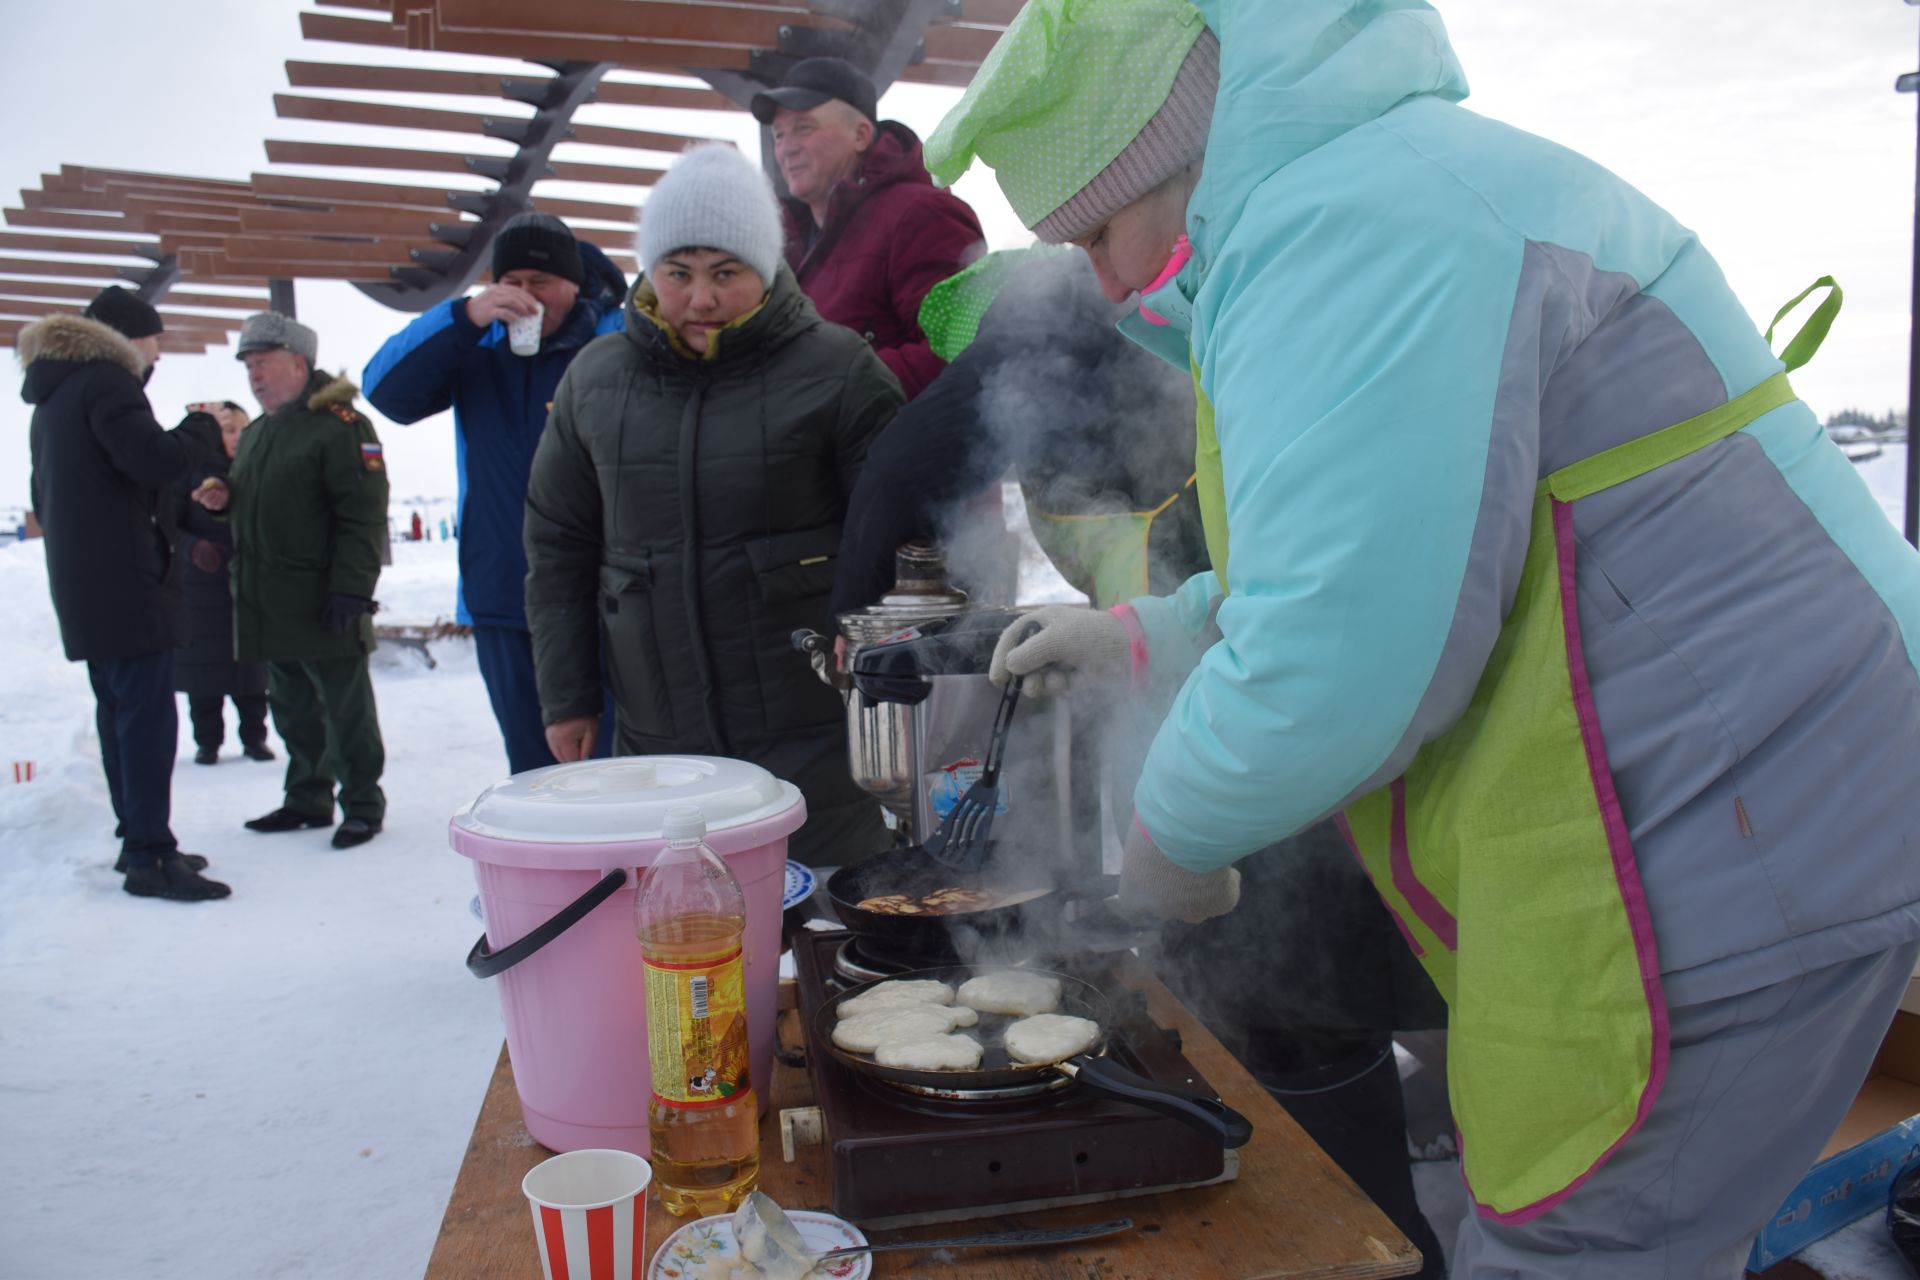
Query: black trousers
x,y
139,727
208,712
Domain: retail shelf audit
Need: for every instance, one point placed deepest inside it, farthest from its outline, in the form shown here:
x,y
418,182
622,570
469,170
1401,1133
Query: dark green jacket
x,y
309,514
683,516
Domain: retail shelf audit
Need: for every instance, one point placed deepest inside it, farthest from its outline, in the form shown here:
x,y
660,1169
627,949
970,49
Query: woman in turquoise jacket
x,y
1528,564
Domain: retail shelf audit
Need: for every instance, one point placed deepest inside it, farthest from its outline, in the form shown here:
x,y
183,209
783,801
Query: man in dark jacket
x,y
308,496
100,461
457,355
867,232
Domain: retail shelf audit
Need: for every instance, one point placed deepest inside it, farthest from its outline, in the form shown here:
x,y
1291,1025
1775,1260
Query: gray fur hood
x,y
77,340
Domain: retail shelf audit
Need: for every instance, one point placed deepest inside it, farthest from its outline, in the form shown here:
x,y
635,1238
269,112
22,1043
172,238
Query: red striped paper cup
x,y
590,1214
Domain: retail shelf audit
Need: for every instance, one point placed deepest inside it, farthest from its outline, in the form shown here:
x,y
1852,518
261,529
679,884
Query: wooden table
x,y
1291,1213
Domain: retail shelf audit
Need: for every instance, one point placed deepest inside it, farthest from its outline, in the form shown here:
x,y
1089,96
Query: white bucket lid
x,y
625,798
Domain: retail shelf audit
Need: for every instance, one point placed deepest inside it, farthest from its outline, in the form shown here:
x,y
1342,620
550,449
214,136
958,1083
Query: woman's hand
x,y
213,494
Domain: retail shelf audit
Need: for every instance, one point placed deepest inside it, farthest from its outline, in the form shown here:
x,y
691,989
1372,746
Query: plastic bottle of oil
x,y
702,1116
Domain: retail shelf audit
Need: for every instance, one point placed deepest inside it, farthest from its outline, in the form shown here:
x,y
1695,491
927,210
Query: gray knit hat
x,y
265,330
713,198
1173,138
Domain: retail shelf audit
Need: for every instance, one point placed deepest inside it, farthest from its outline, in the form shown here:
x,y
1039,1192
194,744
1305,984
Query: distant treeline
x,y
1893,420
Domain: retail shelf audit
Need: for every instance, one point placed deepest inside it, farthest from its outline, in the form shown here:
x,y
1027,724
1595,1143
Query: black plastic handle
x,y
482,963
1103,1075
1002,721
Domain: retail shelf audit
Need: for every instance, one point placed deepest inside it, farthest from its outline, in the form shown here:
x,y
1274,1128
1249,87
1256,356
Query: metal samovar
x,y
881,734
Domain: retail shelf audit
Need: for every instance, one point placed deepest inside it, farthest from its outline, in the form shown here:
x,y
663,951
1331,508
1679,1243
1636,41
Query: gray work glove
x,y
1060,639
1154,887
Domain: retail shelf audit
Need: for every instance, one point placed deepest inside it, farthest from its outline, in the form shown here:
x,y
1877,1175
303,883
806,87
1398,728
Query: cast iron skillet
x,y
999,1073
910,870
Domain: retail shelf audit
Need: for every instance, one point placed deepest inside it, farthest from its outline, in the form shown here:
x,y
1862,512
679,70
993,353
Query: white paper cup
x,y
590,1213
523,332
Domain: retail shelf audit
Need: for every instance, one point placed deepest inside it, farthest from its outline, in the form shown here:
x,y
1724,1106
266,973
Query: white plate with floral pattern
x,y
689,1252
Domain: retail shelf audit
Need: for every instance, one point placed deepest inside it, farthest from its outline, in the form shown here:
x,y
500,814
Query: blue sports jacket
x,y
499,401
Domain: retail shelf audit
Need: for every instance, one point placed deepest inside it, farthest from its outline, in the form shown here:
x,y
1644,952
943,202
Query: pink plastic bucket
x,y
555,853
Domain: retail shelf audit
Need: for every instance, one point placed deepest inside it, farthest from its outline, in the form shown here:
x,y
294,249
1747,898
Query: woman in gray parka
x,y
686,501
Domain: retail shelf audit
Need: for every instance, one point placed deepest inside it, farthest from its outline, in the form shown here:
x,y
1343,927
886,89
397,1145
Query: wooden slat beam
x,y
97,201
175,321
71,270
717,25
255,251
345,220
109,223
46,289
28,243
241,302
342,155
648,55
337,75
276,186
95,179
327,26
210,266
593,210
334,111
574,171
625,93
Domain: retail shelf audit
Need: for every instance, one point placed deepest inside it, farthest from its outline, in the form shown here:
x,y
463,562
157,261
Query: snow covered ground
x,y
282,1084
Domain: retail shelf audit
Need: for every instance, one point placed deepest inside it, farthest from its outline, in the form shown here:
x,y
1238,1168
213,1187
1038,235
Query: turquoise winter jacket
x,y
1404,315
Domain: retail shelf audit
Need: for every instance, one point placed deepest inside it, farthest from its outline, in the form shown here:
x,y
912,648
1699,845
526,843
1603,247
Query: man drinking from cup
x,y
495,359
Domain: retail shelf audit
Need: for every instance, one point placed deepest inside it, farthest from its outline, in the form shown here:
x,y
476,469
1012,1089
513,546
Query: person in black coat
x,y
205,670
100,465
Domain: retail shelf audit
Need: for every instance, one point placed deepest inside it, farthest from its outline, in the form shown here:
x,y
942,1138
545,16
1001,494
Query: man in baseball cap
x,y
867,233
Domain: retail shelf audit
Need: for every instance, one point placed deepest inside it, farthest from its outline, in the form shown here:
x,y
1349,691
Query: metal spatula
x,y
960,842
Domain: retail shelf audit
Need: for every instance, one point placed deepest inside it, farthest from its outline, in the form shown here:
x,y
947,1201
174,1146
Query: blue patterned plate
x,y
799,886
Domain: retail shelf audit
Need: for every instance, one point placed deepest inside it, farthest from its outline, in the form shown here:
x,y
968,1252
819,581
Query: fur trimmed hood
x,y
338,390
77,340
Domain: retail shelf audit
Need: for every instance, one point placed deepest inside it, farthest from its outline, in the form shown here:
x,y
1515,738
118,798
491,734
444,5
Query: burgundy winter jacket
x,y
890,236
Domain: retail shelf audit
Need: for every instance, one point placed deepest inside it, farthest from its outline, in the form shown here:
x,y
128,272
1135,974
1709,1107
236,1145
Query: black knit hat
x,y
538,242
125,312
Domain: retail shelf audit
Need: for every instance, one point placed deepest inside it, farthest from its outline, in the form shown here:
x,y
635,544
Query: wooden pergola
x,y
227,247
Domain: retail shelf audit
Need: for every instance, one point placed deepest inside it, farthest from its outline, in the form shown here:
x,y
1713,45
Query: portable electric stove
x,y
899,1159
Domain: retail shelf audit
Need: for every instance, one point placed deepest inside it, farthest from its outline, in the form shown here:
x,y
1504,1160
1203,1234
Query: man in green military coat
x,y
307,495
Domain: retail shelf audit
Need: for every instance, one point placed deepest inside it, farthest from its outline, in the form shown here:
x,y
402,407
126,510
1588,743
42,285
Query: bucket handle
x,y
482,963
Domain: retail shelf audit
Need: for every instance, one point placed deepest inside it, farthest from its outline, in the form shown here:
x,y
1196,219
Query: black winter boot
x,y
285,819
173,879
193,860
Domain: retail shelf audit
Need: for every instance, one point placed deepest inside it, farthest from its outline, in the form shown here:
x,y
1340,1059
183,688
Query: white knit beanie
x,y
713,198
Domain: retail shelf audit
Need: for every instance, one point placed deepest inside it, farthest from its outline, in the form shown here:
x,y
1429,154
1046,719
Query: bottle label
x,y
697,1031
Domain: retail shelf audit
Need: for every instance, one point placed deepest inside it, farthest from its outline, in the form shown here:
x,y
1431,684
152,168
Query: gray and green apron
x,y
1503,854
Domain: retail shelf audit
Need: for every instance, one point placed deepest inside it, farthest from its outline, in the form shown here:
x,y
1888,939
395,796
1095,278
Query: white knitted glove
x,y
1154,887
1062,638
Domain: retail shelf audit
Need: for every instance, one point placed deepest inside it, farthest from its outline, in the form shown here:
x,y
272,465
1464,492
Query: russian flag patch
x,y
370,455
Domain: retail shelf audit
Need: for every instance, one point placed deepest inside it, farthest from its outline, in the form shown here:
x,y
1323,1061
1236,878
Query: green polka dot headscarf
x,y
1071,86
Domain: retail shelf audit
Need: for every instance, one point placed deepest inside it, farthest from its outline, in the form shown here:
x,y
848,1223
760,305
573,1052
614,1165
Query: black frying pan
x,y
997,1073
911,871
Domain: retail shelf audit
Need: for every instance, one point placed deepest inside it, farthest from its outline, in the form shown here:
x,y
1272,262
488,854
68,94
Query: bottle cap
x,y
684,822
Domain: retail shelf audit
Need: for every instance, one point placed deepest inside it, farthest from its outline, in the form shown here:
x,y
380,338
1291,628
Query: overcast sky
x,y
1768,126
